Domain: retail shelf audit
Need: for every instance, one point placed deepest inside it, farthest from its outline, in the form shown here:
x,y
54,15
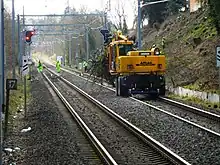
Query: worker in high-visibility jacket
x,y
85,65
40,67
58,66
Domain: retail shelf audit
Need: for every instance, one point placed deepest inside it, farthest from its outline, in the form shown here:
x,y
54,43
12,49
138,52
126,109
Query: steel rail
x,y
191,109
177,117
96,143
139,133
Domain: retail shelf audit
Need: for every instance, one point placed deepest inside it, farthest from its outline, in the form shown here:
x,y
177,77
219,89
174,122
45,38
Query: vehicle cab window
x,y
124,49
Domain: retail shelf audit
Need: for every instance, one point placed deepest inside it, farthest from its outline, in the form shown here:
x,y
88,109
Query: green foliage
x,y
173,6
197,87
204,30
98,67
159,12
192,87
154,13
195,100
17,99
215,13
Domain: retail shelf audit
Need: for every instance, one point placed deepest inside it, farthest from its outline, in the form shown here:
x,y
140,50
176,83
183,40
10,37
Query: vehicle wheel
x,y
116,88
122,90
154,96
119,86
113,82
162,90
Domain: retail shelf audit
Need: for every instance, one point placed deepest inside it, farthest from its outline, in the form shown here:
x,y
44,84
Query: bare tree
x,y
134,4
121,22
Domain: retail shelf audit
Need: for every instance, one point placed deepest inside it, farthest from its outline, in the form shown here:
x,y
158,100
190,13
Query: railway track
x,y
211,127
126,143
105,156
194,144
203,118
206,121
198,111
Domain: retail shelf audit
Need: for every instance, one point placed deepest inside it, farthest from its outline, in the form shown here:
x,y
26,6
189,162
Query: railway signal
x,y
105,33
28,35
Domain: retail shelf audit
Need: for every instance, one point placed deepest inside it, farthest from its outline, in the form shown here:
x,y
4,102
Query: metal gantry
x,y
74,25
65,33
66,15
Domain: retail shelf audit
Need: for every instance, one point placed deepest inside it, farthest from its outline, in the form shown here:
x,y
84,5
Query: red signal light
x,y
29,34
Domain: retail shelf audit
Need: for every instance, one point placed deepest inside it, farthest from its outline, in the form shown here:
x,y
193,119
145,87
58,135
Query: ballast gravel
x,y
53,139
124,147
192,144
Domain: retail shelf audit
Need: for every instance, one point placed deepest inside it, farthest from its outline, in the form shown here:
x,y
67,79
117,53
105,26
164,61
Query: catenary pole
x,y
25,80
87,43
19,44
13,41
70,53
139,24
2,75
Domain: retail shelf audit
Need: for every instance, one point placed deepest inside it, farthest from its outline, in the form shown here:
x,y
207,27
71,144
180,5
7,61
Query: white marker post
x,y
218,64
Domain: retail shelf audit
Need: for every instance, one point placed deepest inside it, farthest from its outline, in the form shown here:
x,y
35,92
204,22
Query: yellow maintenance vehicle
x,y
135,71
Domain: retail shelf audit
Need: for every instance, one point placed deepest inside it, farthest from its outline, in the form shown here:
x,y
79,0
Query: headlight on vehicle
x,y
157,51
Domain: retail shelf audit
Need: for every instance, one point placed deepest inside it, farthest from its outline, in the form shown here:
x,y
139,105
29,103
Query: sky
x,y
58,6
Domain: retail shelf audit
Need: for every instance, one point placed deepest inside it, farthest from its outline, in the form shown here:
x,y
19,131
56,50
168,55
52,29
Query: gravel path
x,y
54,137
192,144
125,148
